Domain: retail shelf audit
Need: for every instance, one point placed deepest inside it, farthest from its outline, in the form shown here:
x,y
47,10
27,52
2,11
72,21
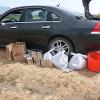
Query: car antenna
x,y
58,5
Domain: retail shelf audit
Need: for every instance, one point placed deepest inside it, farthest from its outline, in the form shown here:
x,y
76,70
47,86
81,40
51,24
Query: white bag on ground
x,y
60,60
48,55
78,61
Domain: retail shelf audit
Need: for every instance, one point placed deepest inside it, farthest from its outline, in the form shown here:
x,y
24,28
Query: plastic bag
x,y
48,55
60,60
78,61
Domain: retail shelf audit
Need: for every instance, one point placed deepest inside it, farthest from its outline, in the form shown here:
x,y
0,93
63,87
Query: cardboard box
x,y
16,51
34,55
37,62
43,63
9,51
30,61
46,63
39,55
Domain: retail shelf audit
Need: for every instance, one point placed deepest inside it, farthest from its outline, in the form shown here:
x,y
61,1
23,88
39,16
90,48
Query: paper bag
x,y
16,51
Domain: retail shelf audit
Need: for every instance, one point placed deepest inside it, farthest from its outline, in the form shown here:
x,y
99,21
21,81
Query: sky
x,y
75,5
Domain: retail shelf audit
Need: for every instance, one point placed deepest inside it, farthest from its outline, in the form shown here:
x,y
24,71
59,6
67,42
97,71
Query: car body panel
x,y
34,33
8,32
38,34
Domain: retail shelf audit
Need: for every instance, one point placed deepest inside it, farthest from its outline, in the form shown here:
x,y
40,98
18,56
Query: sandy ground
x,y
19,81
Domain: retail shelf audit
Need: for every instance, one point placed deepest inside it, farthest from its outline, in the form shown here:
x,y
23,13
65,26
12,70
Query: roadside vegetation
x,y
98,15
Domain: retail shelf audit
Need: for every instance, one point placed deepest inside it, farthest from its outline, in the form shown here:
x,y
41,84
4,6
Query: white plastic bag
x,y
78,61
48,55
60,60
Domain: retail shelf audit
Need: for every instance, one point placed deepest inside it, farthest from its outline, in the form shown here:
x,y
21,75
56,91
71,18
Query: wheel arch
x,y
61,36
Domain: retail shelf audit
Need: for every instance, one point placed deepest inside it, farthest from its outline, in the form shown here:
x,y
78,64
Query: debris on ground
x,y
20,81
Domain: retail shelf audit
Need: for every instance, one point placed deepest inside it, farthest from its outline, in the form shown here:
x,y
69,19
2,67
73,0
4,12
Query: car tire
x,y
60,43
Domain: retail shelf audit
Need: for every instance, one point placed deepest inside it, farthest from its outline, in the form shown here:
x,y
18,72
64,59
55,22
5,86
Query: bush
x,y
97,16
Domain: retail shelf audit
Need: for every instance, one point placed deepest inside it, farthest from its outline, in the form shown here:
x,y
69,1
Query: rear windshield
x,y
76,14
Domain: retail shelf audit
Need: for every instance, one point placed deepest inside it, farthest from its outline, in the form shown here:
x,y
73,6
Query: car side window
x,y
37,14
55,17
13,16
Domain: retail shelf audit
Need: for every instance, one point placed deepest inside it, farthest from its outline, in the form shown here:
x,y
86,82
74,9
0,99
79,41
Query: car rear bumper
x,y
87,43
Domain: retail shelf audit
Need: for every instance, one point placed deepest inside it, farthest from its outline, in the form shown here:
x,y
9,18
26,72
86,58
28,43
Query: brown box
x,y
34,56
30,61
16,51
39,55
9,51
37,62
43,63
46,63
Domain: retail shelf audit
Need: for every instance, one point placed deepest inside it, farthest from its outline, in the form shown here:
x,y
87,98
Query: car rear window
x,y
55,17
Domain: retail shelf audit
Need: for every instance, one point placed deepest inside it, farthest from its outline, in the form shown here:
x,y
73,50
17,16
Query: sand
x,y
19,81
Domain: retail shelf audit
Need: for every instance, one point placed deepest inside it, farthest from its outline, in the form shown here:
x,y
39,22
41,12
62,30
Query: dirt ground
x,y
19,81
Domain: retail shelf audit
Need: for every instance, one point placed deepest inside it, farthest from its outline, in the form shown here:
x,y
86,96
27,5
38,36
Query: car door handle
x,y
3,24
14,27
46,27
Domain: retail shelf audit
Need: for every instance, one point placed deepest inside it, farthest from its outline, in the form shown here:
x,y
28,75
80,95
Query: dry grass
x,y
19,81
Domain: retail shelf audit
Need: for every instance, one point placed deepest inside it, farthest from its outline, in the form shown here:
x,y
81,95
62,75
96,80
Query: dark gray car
x,y
46,27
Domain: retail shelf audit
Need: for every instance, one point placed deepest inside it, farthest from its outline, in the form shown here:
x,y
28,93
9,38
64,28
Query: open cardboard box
x,y
16,51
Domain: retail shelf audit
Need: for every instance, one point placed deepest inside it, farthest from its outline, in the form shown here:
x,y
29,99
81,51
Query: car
x,y
47,27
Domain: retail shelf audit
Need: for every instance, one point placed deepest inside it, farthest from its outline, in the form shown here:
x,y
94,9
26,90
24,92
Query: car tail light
x,y
96,29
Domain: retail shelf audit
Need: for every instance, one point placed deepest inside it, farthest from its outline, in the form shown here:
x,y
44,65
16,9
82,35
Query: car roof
x,y
40,6
60,8
45,6
62,11
37,6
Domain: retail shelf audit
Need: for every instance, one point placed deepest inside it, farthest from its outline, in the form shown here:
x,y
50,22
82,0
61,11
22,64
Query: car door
x,y
9,26
36,28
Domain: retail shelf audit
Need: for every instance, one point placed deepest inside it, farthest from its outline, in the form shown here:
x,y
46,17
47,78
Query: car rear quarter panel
x,y
83,39
77,31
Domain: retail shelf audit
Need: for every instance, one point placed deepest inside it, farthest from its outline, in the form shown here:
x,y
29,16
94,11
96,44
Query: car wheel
x,y
60,44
